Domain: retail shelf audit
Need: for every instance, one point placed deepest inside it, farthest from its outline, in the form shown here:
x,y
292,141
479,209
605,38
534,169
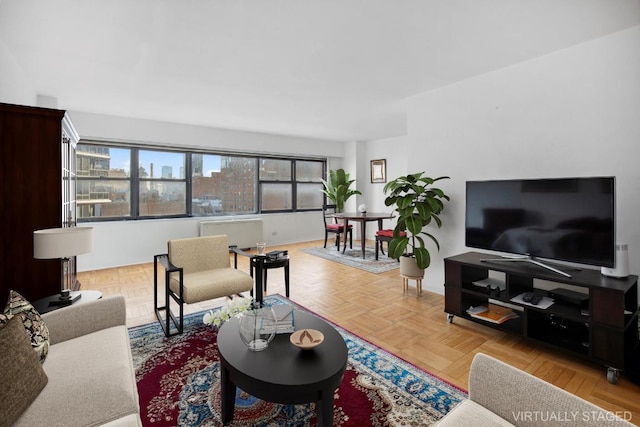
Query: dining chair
x,y
331,225
385,236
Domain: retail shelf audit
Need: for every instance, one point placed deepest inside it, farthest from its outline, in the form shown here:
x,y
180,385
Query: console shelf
x,y
604,329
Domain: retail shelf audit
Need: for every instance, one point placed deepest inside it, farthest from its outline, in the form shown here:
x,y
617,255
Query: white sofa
x,y
502,395
91,379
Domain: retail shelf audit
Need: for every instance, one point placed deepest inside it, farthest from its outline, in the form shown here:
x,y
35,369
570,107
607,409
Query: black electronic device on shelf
x,y
570,297
277,255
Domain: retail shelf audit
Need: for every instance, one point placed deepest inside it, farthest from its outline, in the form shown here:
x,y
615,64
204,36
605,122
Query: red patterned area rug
x,y
179,384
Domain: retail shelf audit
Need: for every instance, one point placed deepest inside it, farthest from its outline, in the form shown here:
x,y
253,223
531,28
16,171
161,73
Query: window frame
x,y
135,181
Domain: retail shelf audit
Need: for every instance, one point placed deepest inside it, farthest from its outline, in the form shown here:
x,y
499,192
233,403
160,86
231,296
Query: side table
x,y
263,263
43,305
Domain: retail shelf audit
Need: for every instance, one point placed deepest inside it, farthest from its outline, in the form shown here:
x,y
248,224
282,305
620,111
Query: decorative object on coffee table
x,y
235,307
306,339
257,327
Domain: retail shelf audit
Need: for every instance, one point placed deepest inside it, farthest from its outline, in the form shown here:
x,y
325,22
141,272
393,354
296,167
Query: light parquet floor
x,y
414,328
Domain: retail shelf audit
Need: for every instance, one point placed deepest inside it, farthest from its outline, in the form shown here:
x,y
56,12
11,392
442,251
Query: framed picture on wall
x,y
379,170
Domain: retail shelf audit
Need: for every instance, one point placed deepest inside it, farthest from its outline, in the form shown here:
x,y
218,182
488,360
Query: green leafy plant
x,y
336,188
418,205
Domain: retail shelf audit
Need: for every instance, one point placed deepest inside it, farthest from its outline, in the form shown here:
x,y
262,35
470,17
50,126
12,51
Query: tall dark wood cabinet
x,y
38,191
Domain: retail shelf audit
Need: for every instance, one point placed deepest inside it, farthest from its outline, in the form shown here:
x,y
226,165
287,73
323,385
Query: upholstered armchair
x,y
196,269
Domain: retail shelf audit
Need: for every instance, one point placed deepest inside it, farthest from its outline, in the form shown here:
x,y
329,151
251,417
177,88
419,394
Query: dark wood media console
x,y
604,330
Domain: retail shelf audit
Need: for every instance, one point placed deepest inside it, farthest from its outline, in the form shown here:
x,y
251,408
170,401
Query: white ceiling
x,y
335,69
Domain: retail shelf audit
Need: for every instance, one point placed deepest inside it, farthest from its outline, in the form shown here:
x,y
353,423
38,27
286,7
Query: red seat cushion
x,y
389,233
337,226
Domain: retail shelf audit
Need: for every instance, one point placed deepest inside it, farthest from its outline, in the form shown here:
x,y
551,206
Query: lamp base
x,y
66,298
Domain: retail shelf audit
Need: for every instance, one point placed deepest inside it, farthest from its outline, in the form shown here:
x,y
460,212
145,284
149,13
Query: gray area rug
x,y
353,258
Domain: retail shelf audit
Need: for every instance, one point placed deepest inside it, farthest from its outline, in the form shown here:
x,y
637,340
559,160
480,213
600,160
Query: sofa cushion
x,y
526,400
469,413
91,382
21,374
31,320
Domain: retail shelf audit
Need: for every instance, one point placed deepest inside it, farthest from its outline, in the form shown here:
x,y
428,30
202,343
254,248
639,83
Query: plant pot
x,y
409,267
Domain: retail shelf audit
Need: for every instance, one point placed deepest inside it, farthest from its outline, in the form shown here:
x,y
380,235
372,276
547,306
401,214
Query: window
x,y
223,184
279,191
276,185
103,182
162,184
173,183
308,185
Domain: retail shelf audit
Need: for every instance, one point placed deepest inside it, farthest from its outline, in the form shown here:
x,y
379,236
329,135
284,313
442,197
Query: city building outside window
x,y
162,188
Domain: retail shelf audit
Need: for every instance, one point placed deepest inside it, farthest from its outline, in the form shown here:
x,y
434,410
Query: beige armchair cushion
x,y
210,284
200,253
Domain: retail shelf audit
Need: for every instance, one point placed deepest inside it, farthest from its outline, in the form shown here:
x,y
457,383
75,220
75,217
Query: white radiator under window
x,y
244,233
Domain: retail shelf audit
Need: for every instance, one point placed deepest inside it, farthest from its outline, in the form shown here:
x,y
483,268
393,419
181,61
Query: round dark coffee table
x,y
282,373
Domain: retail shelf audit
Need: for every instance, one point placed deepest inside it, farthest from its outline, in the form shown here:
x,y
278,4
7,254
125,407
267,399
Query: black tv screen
x,y
567,219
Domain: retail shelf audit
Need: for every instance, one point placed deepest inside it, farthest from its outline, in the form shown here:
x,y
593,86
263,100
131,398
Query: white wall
x,y
132,242
394,151
572,113
121,243
21,90
114,128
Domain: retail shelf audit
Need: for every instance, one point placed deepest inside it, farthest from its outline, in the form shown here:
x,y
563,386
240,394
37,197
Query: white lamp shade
x,y
62,242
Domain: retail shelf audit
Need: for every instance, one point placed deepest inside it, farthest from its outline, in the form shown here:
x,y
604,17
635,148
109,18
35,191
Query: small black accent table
x,y
283,373
44,305
261,264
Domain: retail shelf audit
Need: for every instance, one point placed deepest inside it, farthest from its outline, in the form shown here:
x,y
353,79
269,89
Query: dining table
x,y
362,218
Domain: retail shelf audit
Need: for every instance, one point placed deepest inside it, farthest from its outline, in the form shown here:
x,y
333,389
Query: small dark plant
x,y
417,205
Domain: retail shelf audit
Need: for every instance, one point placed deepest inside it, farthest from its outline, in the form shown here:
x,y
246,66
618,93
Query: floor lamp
x,y
63,243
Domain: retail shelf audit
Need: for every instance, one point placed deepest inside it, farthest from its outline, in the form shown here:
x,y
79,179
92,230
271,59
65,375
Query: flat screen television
x,y
565,219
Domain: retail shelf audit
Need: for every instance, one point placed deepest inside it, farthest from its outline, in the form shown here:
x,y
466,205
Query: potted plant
x,y
418,205
336,188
